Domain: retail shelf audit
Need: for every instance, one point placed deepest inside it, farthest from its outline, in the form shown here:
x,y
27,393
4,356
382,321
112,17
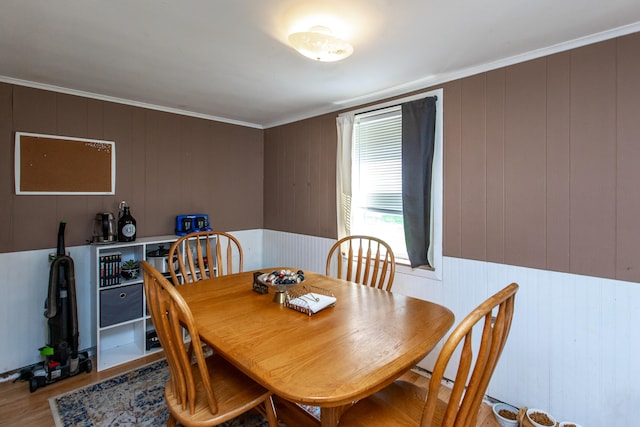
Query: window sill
x,y
405,263
403,267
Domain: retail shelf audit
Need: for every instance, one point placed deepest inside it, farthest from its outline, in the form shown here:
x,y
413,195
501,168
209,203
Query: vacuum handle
x,y
61,249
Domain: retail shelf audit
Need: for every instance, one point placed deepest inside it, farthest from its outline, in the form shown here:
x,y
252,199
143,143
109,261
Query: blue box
x,y
186,224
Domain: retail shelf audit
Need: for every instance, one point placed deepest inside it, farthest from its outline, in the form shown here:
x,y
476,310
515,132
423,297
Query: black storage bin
x,y
152,340
120,304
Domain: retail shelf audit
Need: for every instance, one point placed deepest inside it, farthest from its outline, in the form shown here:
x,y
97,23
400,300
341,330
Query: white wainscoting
x,y
24,285
571,350
308,253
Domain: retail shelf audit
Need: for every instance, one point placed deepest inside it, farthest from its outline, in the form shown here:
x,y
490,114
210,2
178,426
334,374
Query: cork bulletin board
x,y
47,164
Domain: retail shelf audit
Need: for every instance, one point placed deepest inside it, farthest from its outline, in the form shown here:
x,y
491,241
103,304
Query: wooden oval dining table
x,y
329,359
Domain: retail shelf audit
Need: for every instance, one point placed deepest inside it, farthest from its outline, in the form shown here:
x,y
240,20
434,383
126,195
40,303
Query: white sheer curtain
x,y
344,123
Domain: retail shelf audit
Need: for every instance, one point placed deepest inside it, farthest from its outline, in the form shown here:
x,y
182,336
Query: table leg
x,y
329,416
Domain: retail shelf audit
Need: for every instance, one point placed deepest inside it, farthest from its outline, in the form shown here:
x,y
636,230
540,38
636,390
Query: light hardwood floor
x,y
20,407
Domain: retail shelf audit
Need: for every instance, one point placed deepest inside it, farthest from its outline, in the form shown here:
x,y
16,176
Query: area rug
x,y
135,398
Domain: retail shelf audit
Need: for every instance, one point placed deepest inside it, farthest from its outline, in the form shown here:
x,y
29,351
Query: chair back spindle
x,y
362,259
205,254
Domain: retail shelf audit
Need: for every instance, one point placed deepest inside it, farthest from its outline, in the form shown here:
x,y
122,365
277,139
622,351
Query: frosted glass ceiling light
x,y
319,44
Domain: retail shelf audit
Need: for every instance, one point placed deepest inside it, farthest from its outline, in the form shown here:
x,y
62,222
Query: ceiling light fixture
x,y
319,44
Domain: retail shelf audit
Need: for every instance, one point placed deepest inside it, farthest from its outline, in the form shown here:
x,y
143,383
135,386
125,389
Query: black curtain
x,y
418,136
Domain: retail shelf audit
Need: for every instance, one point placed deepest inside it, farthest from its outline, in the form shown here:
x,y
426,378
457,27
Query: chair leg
x,y
271,412
171,422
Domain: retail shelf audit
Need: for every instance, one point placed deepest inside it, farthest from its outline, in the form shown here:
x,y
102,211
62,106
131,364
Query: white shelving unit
x,y
122,317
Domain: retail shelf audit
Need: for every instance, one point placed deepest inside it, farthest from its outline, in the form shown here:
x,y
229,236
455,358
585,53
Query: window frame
x,y
402,266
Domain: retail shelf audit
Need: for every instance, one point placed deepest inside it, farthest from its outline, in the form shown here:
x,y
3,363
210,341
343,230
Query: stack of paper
x,y
312,301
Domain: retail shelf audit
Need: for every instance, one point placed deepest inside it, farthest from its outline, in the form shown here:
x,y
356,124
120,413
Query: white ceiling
x,y
229,60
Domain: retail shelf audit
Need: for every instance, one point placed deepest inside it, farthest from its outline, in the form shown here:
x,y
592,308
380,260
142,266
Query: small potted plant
x,y
130,269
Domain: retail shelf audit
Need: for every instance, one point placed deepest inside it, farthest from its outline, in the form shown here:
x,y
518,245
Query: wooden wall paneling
x,y
237,175
95,130
255,184
283,181
95,118
6,104
186,174
495,99
279,186
549,203
33,222
162,140
196,163
272,138
7,188
628,159
593,159
315,160
299,200
452,165
558,162
274,183
525,156
287,180
72,114
276,152
139,172
473,169
291,198
34,110
72,120
118,127
307,169
253,202
323,188
147,146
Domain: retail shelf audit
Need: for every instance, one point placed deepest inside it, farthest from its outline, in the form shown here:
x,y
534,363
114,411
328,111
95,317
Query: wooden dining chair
x,y
405,404
220,253
362,259
210,390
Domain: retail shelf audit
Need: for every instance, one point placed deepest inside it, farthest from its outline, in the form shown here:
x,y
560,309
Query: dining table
x,y
330,359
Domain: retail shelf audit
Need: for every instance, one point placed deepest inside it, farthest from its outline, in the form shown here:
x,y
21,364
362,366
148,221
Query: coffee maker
x,y
104,229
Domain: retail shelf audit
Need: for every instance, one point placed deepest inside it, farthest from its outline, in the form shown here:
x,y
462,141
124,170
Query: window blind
x,y
378,159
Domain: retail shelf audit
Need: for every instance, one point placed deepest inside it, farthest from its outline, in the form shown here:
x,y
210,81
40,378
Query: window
x,y
370,188
377,177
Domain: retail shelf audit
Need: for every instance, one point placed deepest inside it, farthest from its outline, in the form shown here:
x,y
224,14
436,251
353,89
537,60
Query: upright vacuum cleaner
x,y
62,358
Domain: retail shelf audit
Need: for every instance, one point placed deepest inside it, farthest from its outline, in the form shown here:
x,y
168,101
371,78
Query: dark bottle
x,y
126,224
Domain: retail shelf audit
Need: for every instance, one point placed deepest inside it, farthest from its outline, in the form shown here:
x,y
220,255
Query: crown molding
x,y
100,97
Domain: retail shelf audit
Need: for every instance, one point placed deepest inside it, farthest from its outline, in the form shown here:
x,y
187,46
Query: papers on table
x,y
312,301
